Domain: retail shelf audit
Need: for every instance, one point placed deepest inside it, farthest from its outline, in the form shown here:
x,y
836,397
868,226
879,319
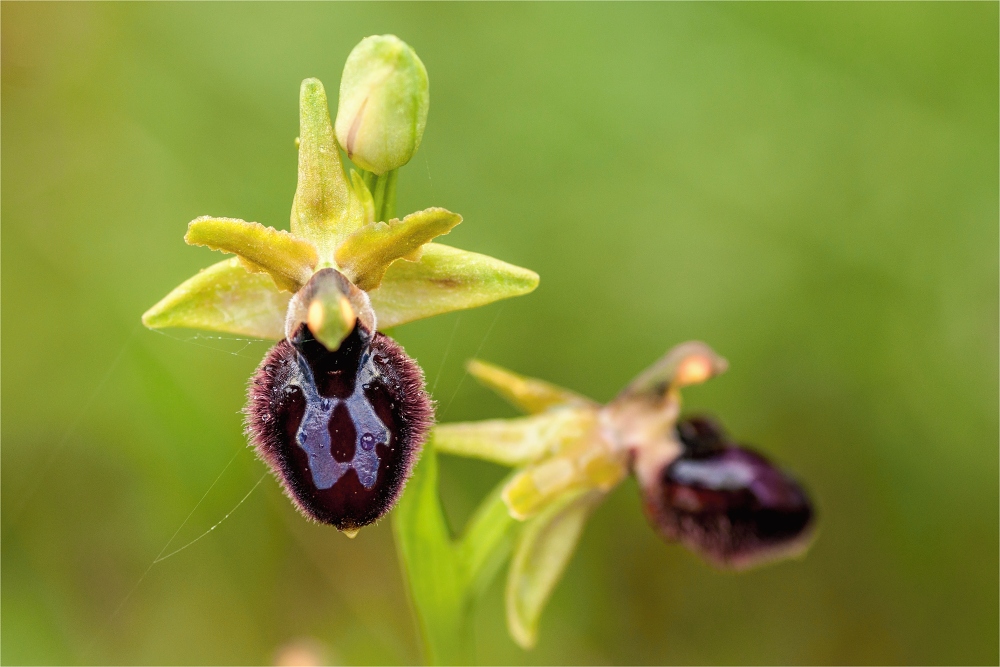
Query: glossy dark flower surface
x,y
729,503
341,430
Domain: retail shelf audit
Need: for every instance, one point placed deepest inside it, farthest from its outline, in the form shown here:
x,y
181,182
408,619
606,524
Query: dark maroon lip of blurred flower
x,y
728,503
341,430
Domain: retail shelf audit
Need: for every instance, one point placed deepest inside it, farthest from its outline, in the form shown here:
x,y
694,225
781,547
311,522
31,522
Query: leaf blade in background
x,y
431,569
443,280
224,297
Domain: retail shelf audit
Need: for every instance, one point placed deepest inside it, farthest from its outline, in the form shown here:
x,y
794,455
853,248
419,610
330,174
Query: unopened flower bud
x,y
728,503
383,104
341,430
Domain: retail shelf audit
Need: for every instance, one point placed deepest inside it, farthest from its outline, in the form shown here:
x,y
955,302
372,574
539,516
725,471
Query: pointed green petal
x,y
366,254
224,297
508,442
587,465
326,210
540,558
528,394
513,442
290,261
446,279
532,490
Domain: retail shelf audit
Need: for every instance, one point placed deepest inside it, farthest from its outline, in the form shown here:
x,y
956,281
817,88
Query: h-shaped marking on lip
x,y
313,436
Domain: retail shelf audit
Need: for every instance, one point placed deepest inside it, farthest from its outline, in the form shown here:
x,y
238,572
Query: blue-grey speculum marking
x,y
313,436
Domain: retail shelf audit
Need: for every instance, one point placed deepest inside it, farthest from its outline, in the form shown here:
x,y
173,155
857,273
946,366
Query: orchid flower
x,y
336,408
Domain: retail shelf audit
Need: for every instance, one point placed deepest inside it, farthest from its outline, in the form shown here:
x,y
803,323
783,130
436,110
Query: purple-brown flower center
x,y
340,429
729,503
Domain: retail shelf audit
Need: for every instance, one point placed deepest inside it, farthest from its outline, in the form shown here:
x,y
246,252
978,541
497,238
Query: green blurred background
x,y
811,188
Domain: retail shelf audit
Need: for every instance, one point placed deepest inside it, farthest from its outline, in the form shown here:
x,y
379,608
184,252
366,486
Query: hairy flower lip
x,y
727,502
334,465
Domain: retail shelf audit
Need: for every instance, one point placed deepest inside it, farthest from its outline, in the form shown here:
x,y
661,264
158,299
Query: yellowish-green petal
x,y
224,297
365,255
533,489
514,442
540,557
443,280
528,394
288,260
585,460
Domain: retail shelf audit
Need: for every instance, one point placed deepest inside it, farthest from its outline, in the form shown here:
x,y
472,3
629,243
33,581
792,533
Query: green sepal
x,y
443,280
224,297
326,209
527,394
541,555
288,260
366,255
513,442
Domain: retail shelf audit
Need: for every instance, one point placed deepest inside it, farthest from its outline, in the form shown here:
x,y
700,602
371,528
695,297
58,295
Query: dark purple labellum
x,y
341,430
728,503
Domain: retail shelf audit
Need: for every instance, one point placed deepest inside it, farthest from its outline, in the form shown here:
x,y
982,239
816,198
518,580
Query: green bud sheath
x,y
383,104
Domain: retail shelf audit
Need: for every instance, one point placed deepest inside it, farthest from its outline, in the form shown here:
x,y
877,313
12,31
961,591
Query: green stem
x,y
383,189
445,577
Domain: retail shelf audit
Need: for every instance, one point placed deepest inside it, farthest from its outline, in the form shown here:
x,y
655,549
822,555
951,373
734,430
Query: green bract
x,y
335,223
383,104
